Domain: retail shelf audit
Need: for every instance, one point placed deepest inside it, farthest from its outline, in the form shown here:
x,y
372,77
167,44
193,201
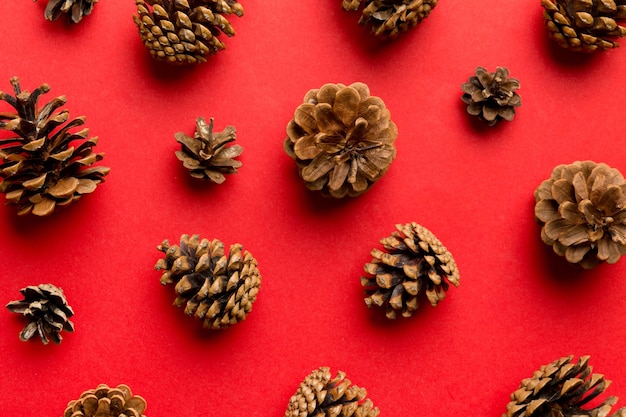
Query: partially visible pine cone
x,y
491,96
319,395
107,402
585,25
73,9
47,312
216,287
562,388
414,262
184,31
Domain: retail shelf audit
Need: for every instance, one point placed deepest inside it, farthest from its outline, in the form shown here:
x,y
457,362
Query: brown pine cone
x,y
414,262
562,388
215,287
73,9
320,396
491,96
107,402
184,31
585,25
342,139
582,212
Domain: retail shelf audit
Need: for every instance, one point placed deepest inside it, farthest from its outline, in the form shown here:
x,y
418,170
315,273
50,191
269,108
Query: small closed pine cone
x,y
414,262
582,212
585,25
184,31
107,402
216,287
491,96
75,10
47,311
342,139
562,388
319,395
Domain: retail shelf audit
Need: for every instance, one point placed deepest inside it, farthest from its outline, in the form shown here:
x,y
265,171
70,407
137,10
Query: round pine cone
x,y
104,401
342,139
414,262
491,96
562,388
215,287
585,25
319,395
73,9
582,212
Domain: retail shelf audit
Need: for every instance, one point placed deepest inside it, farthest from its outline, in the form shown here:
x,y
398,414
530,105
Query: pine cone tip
x,y
491,96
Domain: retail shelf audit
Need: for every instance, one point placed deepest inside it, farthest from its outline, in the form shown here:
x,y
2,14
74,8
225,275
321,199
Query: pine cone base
x,y
106,401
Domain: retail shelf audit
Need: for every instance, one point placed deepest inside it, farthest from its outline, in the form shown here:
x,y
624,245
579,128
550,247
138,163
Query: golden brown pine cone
x,y
75,10
107,402
491,96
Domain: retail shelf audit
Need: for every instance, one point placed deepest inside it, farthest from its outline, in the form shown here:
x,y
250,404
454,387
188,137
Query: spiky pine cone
x,y
184,31
320,395
45,165
342,139
47,311
414,262
562,388
491,96
106,401
206,155
75,10
585,25
582,212
216,287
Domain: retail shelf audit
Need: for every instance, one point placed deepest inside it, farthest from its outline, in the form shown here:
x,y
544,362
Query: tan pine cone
x,y
342,139
75,10
491,96
582,212
107,402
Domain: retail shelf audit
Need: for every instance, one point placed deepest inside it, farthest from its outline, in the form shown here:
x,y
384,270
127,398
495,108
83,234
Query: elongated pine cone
x,y
75,10
585,25
206,155
414,262
342,139
491,96
45,165
582,212
47,311
216,287
562,388
107,402
319,395
184,31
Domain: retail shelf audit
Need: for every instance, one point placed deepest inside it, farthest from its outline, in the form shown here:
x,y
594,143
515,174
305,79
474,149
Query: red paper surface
x,y
519,305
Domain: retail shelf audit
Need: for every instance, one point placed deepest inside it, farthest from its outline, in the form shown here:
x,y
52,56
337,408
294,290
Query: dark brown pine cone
x,y
47,312
585,25
216,287
319,395
491,96
45,165
562,388
107,402
73,9
342,139
184,31
414,262
582,212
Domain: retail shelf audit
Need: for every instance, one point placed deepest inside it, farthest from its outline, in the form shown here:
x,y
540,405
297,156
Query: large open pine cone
x,y
75,10
216,287
342,139
107,402
582,212
491,96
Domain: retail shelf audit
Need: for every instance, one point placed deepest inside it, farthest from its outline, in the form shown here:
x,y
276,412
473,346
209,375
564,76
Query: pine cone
x,y
104,401
491,96
320,396
45,165
206,154
582,212
73,9
414,262
184,31
342,139
585,25
47,312
215,287
562,388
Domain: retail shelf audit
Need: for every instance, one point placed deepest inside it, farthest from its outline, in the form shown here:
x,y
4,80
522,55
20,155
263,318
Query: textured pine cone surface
x,y
45,165
491,96
582,213
216,287
46,309
413,263
562,388
342,139
320,395
185,31
107,402
585,25
74,10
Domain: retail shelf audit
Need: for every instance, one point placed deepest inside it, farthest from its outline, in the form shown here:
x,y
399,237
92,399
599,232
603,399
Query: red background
x,y
518,306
